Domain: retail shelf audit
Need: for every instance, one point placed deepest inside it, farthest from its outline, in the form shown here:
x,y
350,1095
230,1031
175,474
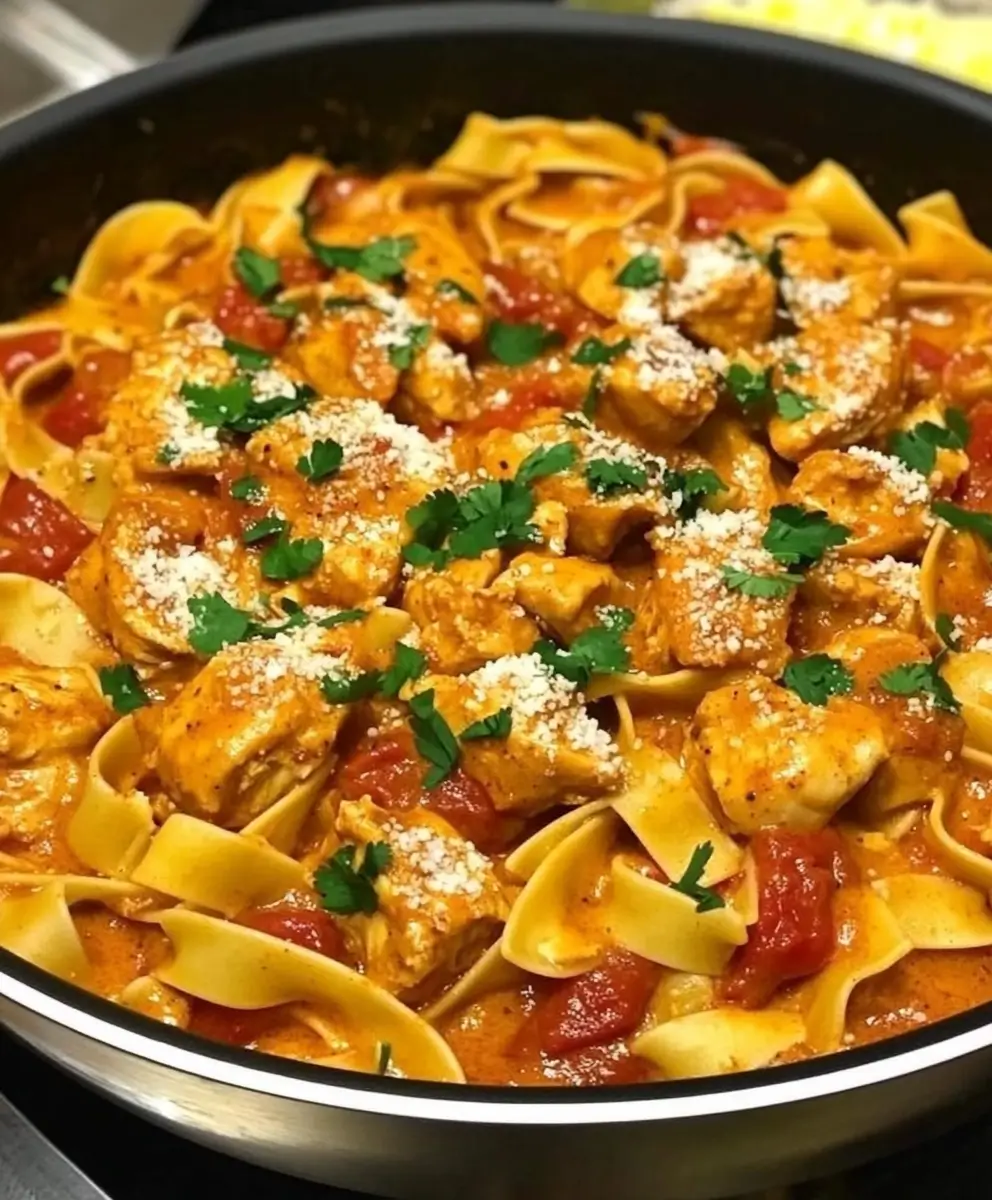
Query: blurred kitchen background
x,y
49,47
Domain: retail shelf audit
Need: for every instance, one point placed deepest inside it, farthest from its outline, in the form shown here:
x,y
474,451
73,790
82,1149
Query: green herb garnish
x,y
496,725
607,477
793,407
346,689
408,664
596,353
917,447
545,461
433,738
748,387
287,559
517,345
797,538
642,271
322,461
816,678
342,888
248,488
947,631
215,623
964,519
265,528
166,455
706,899
921,679
692,487
259,274
451,287
599,650
247,357
378,261
401,355
123,688
766,587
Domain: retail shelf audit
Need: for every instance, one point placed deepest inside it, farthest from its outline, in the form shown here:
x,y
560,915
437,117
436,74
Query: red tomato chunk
x,y
39,536
392,773
19,353
525,400
79,409
600,1006
234,1026
711,213
794,935
927,355
310,928
522,299
242,317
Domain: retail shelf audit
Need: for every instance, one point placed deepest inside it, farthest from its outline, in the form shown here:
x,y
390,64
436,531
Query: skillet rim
x,y
101,1020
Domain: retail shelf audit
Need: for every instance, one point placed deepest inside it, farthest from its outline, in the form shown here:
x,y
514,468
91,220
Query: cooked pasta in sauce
x,y
524,620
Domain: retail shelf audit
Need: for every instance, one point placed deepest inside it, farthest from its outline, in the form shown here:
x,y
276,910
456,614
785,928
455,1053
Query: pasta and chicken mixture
x,y
524,620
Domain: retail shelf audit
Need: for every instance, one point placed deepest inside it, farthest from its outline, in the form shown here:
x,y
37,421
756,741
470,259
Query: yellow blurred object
x,y
958,44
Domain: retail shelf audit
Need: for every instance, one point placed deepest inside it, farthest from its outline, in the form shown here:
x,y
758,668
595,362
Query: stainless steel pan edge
x,y
670,1141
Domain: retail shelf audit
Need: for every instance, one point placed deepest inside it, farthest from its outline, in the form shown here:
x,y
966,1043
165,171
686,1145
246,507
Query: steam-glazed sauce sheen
x,y
524,620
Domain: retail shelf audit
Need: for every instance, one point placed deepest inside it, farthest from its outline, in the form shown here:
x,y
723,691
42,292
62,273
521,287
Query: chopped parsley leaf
x,y
409,663
248,488
917,447
61,285
265,528
964,519
591,398
166,455
342,888
818,677
792,406
517,345
921,679
792,368
797,538
545,461
286,310
323,460
642,271
748,387
706,899
232,406
378,261
401,355
451,287
433,738
333,302
286,559
247,357
123,689
259,274
947,631
383,1057
599,650
345,689
493,515
607,477
692,487
496,725
215,623
345,617
596,353
766,587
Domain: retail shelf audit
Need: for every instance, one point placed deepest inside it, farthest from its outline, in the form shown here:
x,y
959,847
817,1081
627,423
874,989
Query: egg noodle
x,y
522,620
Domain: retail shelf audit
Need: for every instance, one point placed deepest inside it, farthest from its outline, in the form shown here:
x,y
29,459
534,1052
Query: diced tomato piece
x,y
297,270
79,409
19,353
527,398
600,1006
39,536
520,298
246,319
391,773
975,491
927,355
711,213
234,1026
312,929
794,934
966,380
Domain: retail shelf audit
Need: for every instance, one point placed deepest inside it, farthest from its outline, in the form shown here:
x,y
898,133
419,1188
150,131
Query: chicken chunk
x,y
45,710
555,753
440,903
662,386
159,548
742,463
821,279
712,621
358,512
951,462
851,373
439,386
772,759
884,504
723,296
563,593
344,352
602,506
466,615
252,724
838,594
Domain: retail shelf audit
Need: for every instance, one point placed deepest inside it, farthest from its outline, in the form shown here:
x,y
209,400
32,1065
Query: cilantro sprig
x,y
947,631
545,461
964,519
260,275
408,664
707,900
692,487
917,447
496,725
248,488
232,406
765,587
346,889
451,287
921,679
287,558
322,461
594,352
515,345
247,357
792,406
749,388
433,738
799,538
599,650
608,476
402,354
123,688
377,262
347,689
642,271
818,677
217,623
